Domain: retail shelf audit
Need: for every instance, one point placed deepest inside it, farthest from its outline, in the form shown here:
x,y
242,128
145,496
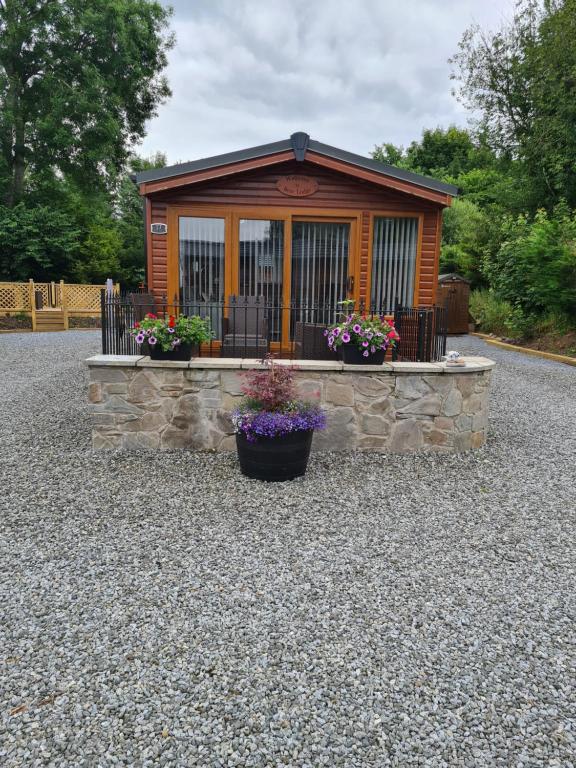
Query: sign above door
x,y
297,186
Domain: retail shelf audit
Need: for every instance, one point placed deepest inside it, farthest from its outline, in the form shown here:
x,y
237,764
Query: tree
x,y
78,80
521,81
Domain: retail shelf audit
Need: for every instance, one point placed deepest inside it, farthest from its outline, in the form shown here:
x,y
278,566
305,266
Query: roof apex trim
x,y
264,150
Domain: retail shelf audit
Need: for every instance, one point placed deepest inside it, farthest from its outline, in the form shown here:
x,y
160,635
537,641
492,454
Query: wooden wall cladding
x,y
334,191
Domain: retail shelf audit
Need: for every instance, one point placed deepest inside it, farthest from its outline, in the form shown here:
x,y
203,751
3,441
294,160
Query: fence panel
x,y
243,328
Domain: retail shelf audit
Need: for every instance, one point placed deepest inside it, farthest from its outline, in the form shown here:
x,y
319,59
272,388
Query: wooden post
x,y
64,305
32,304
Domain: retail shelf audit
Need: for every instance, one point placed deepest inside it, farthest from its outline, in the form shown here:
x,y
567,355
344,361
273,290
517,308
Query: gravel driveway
x,y
160,610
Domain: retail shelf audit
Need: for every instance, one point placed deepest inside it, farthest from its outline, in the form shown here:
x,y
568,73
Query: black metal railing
x,y
250,327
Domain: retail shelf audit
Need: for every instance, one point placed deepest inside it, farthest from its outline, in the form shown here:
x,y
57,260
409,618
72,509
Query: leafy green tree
x,y
39,242
535,266
521,81
78,80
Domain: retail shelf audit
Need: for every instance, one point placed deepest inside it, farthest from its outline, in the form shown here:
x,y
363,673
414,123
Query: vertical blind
x,y
261,259
201,259
394,249
319,268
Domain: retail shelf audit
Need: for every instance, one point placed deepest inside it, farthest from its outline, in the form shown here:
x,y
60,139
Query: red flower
x,y
136,325
171,322
151,316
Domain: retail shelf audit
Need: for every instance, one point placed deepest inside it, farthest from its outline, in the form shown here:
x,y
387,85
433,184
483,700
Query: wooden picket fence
x,y
50,305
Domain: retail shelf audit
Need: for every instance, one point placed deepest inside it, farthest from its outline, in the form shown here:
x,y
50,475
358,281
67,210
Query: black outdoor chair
x,y
142,303
245,330
310,343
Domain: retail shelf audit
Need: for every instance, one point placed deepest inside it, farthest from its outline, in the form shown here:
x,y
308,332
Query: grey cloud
x,y
352,73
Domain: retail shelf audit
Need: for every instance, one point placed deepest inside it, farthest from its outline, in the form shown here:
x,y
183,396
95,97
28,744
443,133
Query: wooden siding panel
x,y
335,191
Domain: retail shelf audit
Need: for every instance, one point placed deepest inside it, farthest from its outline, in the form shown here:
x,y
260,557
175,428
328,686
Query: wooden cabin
x,y
297,222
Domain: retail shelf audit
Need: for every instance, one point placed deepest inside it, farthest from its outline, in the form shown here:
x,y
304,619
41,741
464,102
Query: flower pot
x,y
351,355
181,352
275,459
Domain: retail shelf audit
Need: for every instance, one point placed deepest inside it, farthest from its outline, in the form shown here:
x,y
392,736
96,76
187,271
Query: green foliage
x,y
493,314
38,242
535,267
466,238
78,80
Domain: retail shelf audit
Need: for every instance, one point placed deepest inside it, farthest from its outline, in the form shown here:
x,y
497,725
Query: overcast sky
x,y
351,73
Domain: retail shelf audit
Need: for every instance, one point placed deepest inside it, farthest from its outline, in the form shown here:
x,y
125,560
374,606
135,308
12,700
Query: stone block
x,y
204,376
439,383
478,439
116,389
117,404
95,392
473,404
411,387
467,384
339,394
146,423
375,425
463,441
186,412
479,421
453,403
223,422
105,442
435,437
310,389
231,382
108,375
210,398
99,419
227,443
174,437
373,386
444,422
407,435
429,405
463,422
143,388
339,417
342,439
141,441
372,442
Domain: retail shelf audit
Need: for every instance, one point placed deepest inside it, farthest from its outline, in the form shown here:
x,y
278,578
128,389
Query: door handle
x,y
350,284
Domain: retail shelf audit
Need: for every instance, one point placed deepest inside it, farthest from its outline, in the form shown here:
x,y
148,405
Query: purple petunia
x,y
170,330
372,349
365,353
152,340
345,337
365,343
140,338
336,331
356,328
330,340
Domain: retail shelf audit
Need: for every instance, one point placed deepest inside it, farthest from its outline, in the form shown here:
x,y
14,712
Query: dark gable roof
x,y
299,143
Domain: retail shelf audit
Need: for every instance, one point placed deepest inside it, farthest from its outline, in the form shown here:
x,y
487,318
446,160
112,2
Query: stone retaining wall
x,y
140,403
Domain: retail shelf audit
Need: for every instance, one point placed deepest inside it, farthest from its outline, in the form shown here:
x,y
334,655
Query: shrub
x,y
493,314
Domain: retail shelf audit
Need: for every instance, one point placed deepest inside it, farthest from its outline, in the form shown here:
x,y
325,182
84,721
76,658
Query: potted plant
x,y
273,427
171,338
361,338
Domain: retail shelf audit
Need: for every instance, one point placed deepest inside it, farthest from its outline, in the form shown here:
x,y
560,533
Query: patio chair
x,y
142,304
310,342
245,330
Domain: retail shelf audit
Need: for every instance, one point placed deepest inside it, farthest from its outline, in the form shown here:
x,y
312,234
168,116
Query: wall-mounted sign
x,y
159,229
297,186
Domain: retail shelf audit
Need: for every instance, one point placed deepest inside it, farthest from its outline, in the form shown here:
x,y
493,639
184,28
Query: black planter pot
x,y
275,459
181,352
351,355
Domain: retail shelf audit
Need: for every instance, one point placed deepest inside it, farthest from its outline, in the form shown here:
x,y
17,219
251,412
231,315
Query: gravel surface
x,y
158,609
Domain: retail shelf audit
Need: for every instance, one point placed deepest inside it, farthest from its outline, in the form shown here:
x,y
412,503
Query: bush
x,y
493,314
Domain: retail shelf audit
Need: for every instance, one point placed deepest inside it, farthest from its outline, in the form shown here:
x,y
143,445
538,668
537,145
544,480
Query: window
x,y
394,248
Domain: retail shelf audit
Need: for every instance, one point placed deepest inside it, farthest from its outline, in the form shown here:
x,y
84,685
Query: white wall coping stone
x,y
127,361
473,364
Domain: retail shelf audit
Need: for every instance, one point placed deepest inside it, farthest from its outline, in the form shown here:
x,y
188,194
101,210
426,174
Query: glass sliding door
x,y
261,264
320,255
201,264
394,250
